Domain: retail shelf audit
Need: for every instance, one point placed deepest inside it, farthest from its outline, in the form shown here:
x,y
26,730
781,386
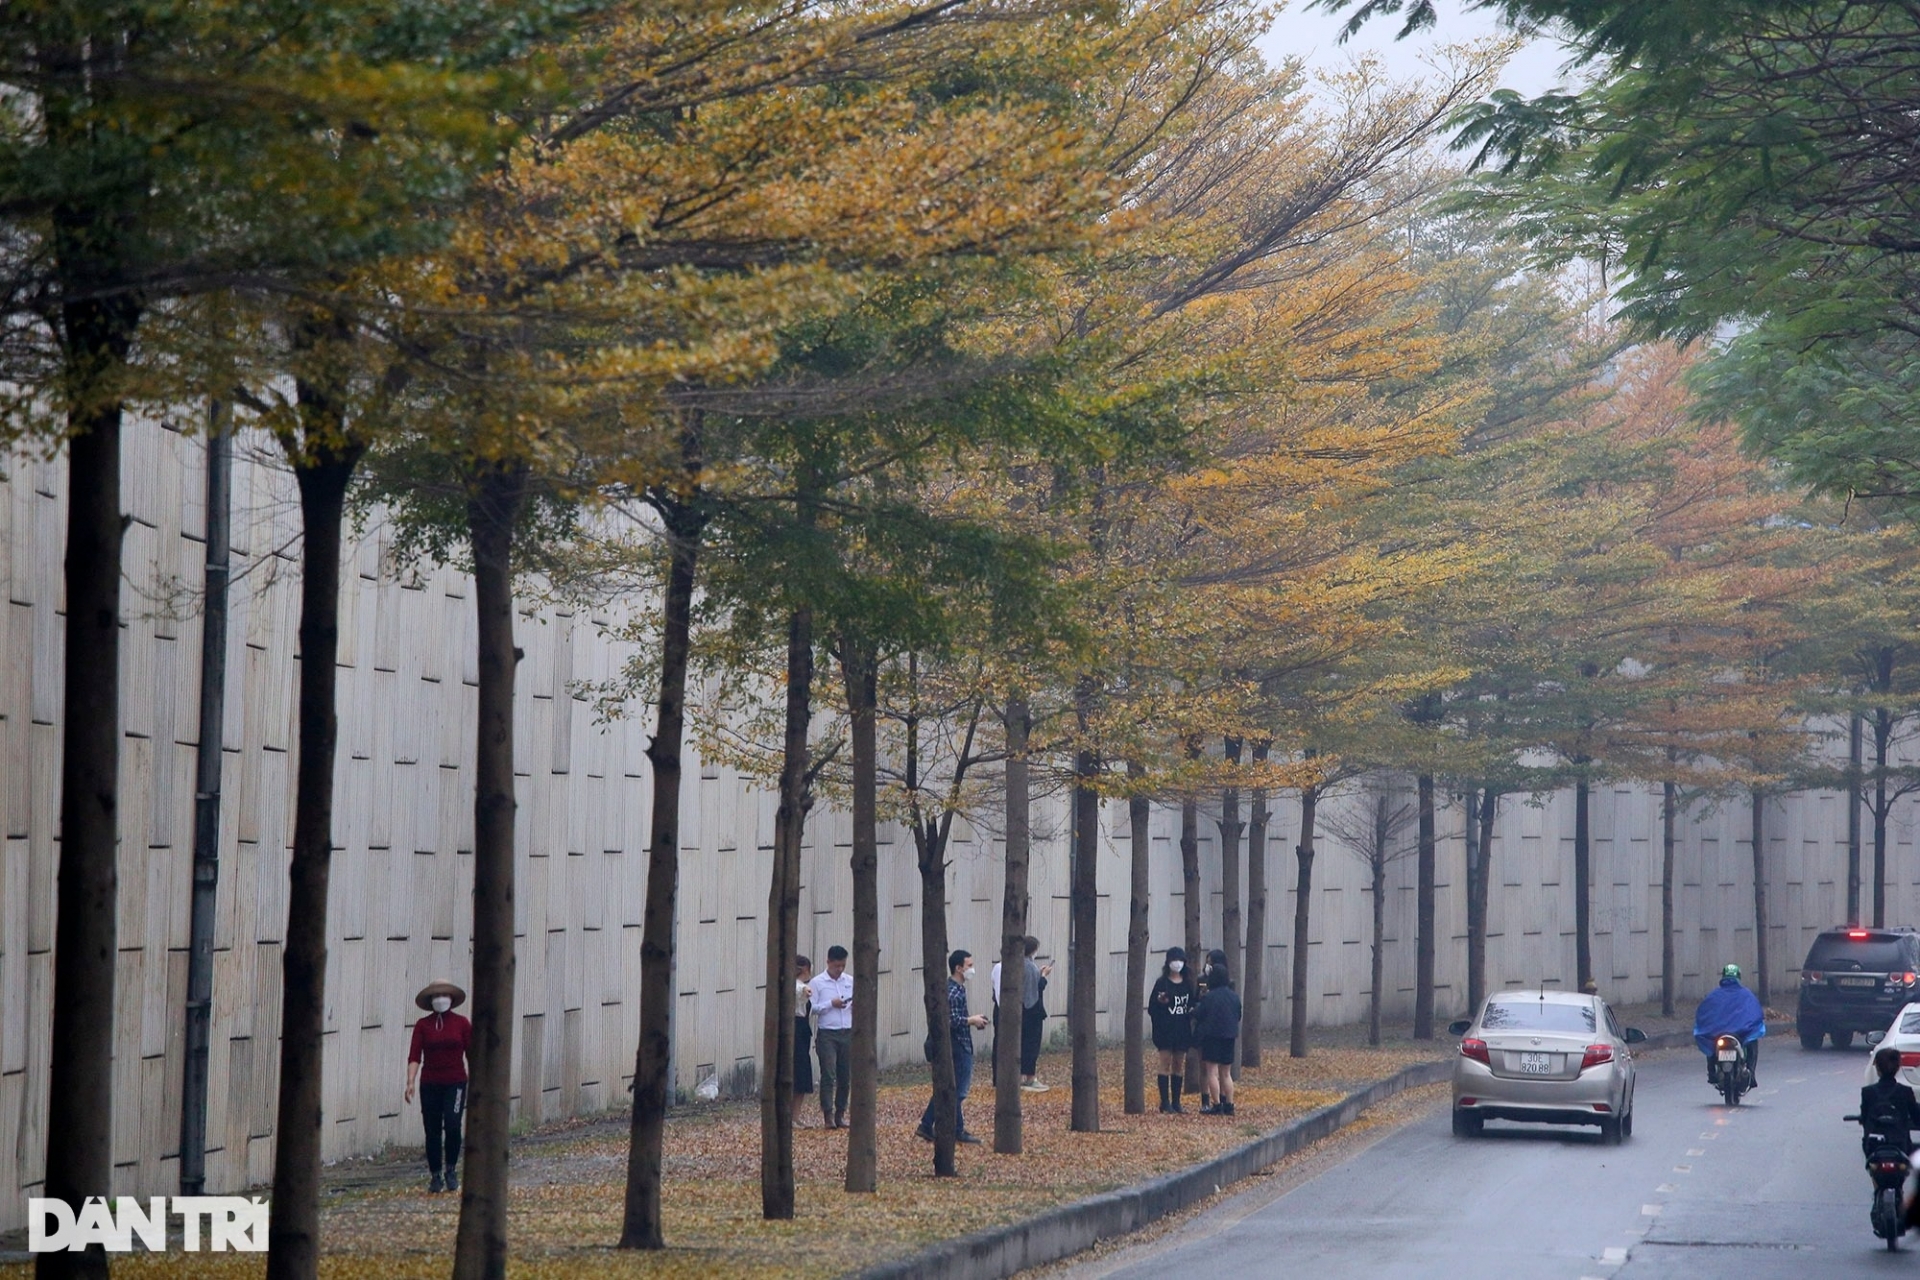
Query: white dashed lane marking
x,y
1651,1210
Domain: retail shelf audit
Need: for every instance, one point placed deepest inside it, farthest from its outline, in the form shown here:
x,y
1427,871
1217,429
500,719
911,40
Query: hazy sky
x,y
1314,35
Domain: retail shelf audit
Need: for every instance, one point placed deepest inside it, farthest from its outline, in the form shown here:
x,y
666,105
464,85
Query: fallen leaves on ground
x,y
379,1223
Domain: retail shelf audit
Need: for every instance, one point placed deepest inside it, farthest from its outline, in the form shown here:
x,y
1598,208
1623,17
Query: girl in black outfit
x,y
1216,1019
1171,1008
802,1027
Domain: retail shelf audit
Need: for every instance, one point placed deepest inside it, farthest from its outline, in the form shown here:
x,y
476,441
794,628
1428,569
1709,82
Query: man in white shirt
x,y
833,1036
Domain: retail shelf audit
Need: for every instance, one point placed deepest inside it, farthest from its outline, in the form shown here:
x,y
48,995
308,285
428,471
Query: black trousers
x,y
802,1056
443,1107
1033,1026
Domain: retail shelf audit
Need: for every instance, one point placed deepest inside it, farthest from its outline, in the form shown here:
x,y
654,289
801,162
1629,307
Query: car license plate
x,y
1729,1055
1857,982
1537,1064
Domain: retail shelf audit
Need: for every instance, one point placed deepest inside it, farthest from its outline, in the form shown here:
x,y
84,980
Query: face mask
x,y
969,973
1176,965
442,1003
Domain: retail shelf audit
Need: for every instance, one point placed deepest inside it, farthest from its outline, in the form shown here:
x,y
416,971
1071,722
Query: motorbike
x,y
1888,1166
1733,1076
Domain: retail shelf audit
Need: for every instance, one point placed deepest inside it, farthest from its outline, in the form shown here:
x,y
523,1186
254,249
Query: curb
x,y
1684,1039
1073,1228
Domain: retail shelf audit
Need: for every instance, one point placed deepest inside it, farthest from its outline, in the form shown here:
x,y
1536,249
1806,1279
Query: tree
x,y
1749,157
1375,833
150,154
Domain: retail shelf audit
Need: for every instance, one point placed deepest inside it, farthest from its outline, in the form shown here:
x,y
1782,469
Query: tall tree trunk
x,y
493,512
98,320
1302,918
1190,879
1669,818
1191,893
1377,865
1230,830
1582,885
209,750
1008,1138
1254,983
1477,903
933,993
322,475
783,928
930,851
1083,1005
1427,858
1762,988
1882,743
1854,727
860,665
1139,846
684,526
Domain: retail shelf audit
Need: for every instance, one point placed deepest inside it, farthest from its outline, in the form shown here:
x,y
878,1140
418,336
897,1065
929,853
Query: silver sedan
x,y
1545,1057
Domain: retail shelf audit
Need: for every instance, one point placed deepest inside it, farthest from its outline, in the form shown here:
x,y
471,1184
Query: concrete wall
x,y
402,872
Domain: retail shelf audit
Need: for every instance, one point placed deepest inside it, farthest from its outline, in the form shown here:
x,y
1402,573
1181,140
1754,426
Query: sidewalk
x,y
569,1179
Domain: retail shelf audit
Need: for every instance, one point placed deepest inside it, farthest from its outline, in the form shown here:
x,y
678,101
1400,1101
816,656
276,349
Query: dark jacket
x,y
1890,1098
1217,1015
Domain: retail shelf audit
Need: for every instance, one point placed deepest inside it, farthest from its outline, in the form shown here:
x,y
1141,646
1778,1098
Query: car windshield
x,y
1910,1023
1881,954
1537,1015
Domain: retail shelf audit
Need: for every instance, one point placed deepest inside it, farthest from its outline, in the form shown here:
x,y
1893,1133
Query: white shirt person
x,y
832,1000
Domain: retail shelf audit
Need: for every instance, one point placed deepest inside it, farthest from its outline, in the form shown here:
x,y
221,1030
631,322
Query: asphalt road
x,y
1773,1188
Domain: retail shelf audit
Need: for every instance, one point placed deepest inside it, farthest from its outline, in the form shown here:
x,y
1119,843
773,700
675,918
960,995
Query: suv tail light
x,y
1595,1055
1812,976
1475,1049
1856,934
1902,979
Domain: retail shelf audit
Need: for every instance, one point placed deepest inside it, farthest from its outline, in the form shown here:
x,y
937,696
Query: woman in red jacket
x,y
437,1062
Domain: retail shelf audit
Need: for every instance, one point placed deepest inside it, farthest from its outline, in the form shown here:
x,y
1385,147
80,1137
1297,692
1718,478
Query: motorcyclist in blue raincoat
x,y
1730,1009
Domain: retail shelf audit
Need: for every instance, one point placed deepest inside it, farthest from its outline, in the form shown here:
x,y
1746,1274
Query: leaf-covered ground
x,y
380,1224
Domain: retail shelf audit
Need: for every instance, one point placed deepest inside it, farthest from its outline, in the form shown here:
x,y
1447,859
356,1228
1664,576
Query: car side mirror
x,y
1636,1036
1875,1037
1459,1028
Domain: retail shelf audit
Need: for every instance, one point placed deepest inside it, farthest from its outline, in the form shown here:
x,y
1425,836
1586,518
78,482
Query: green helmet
x,y
1731,971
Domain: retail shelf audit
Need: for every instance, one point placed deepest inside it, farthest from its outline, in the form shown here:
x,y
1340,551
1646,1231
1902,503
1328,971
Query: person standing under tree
x,y
1217,1021
833,1036
1033,1018
802,1028
960,1026
437,1063
1171,1009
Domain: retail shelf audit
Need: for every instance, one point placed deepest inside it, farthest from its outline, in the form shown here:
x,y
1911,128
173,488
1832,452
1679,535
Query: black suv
x,y
1856,980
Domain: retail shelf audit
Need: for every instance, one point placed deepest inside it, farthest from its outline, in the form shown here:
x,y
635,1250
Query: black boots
x,y
1176,1108
1165,1106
